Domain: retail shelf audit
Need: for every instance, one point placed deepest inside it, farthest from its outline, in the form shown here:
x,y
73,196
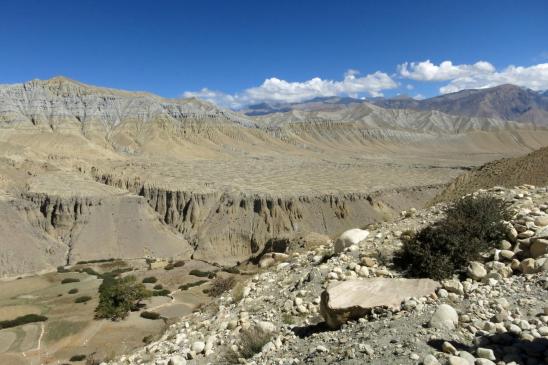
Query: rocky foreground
x,y
498,314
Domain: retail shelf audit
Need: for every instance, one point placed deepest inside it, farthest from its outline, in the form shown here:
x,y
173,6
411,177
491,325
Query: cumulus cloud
x,y
277,90
533,77
481,74
427,71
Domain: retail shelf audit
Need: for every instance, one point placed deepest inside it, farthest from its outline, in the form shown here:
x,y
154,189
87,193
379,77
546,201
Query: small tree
x,y
118,296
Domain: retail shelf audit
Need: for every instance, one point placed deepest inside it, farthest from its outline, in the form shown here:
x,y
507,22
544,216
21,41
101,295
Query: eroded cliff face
x,y
73,229
230,227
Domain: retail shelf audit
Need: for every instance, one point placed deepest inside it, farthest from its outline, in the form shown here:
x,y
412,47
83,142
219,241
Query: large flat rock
x,y
353,299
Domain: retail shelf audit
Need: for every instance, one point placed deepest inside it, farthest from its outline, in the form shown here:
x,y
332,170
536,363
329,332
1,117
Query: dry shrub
x,y
251,342
221,285
472,225
238,291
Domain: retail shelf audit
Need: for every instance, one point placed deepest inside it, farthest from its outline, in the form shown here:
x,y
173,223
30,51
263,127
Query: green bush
x,y
150,280
178,263
221,285
150,315
27,318
82,299
117,296
161,293
78,358
158,287
191,285
70,280
73,291
471,226
202,274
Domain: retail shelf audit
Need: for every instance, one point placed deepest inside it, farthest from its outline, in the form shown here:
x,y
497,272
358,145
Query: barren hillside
x,y
529,169
84,166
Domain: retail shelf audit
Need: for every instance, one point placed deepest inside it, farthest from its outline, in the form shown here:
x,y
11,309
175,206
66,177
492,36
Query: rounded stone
x,y
445,317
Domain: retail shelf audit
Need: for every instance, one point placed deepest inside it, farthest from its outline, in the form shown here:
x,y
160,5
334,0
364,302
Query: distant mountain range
x,y
505,102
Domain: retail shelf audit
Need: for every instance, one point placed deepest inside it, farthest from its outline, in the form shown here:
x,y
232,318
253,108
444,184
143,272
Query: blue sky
x,y
239,52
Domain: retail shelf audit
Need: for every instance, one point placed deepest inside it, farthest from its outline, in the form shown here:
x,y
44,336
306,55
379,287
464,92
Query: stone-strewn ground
x,y
499,314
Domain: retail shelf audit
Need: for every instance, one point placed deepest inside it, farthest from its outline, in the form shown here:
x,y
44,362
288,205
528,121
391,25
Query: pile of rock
x,y
497,314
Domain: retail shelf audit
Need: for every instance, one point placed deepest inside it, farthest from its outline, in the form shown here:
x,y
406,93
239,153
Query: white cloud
x,y
419,97
277,90
479,75
455,77
533,77
427,71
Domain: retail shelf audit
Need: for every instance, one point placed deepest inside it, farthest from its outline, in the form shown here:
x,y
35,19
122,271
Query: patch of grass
x,y
57,330
73,291
220,285
82,299
150,315
70,280
191,285
149,280
77,358
471,226
28,318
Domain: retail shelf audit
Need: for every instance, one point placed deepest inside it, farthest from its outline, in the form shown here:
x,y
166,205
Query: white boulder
x,y
349,238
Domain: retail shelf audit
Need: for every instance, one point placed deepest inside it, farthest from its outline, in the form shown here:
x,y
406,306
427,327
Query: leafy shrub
x,y
82,299
471,226
27,318
158,287
150,315
148,339
161,293
202,274
191,285
179,263
221,285
169,267
150,280
70,280
117,296
78,358
73,291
